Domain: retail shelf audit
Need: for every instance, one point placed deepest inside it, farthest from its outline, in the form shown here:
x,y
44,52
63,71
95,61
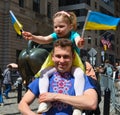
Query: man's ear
x,y
74,55
52,56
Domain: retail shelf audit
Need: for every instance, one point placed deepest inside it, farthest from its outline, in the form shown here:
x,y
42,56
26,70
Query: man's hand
x,y
47,97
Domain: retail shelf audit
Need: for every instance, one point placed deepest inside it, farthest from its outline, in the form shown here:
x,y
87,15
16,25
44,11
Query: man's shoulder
x,y
89,83
34,86
35,82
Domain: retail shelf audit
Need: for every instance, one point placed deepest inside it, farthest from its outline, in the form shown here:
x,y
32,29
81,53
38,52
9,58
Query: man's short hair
x,y
64,42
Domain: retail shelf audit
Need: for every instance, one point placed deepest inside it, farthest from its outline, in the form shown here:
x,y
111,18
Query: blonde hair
x,y
69,17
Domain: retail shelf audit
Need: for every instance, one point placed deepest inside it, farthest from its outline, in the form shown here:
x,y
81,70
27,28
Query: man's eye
x,y
58,56
66,57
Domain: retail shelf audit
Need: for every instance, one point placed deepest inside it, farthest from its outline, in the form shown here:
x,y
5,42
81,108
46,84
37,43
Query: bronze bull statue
x,y
30,60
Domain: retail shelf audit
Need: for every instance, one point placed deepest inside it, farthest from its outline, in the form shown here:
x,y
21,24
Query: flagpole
x,y
83,31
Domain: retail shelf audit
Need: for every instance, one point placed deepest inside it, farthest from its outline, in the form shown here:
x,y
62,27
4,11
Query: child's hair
x,y
69,17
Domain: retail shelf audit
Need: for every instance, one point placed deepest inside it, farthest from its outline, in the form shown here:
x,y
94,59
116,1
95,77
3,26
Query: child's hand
x,y
81,43
27,35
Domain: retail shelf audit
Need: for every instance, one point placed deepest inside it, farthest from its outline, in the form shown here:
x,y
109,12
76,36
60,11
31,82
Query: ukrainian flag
x,y
100,21
17,26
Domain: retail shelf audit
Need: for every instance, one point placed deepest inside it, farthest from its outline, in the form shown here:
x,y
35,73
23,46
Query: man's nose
x,y
61,59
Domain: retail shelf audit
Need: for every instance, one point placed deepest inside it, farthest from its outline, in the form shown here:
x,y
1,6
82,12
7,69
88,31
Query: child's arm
x,y
79,42
38,39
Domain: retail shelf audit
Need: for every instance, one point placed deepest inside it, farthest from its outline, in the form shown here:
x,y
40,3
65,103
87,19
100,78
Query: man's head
x,y
10,67
63,55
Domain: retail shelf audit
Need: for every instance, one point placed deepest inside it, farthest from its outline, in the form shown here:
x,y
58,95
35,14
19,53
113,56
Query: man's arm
x,y
87,101
23,106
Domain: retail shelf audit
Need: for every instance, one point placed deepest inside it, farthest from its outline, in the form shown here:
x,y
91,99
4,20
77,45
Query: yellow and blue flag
x,y
17,26
100,21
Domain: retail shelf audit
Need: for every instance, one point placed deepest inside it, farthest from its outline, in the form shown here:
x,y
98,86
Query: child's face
x,y
61,27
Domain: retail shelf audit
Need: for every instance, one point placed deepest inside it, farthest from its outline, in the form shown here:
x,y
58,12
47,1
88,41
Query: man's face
x,y
63,57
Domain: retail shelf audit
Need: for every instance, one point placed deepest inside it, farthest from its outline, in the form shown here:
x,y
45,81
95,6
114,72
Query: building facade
x,y
34,15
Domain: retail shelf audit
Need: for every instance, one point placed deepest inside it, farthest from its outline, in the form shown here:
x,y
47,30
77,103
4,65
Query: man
x,y
7,81
61,86
108,68
89,71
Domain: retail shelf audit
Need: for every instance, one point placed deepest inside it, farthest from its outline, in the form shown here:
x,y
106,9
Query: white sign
x,y
102,53
92,52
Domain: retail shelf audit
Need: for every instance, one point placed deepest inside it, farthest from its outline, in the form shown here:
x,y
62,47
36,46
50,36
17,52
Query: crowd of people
x,y
109,70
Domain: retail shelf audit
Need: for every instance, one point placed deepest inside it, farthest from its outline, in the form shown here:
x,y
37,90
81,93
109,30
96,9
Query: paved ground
x,y
11,106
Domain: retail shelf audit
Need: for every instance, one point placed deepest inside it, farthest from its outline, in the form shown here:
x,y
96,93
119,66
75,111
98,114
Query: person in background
x,y
108,68
61,93
64,24
1,79
7,80
117,65
97,72
89,70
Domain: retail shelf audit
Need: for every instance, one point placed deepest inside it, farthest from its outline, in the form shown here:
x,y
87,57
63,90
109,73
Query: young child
x,y
65,24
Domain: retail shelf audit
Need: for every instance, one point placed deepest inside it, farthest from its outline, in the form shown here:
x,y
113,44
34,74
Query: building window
x,y
80,25
117,50
21,3
117,40
80,12
96,5
83,12
68,2
89,39
96,42
85,1
72,2
17,55
36,5
49,10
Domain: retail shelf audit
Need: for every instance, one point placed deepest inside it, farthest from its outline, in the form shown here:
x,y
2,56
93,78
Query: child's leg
x,y
43,87
79,80
78,85
44,79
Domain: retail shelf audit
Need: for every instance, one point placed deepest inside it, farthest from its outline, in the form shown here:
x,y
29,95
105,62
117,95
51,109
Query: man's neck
x,y
65,74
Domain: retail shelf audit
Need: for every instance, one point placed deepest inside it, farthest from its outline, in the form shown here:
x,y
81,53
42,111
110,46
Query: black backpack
x,y
98,90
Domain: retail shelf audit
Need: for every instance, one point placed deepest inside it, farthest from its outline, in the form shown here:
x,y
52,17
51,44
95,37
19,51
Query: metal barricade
x,y
103,82
114,86
117,96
